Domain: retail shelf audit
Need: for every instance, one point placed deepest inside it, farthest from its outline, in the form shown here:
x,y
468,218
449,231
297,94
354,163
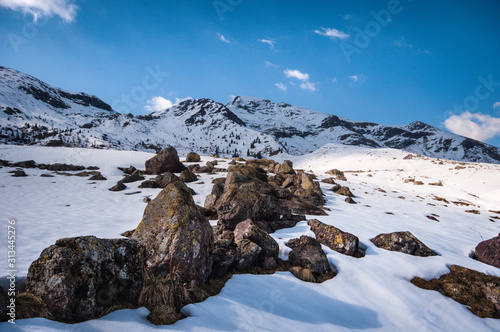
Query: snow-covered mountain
x,y
32,112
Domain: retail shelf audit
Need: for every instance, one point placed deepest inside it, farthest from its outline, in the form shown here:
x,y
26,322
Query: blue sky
x,y
391,62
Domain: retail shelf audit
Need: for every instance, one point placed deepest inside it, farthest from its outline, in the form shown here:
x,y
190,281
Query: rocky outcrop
x,y
488,251
334,238
307,260
476,290
338,174
404,242
193,157
79,278
178,238
166,160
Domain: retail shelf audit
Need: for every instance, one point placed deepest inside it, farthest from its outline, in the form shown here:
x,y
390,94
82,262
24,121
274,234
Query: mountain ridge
x,y
33,112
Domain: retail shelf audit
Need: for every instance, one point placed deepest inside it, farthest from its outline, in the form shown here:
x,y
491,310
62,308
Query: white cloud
x,y
402,43
159,104
297,74
268,41
270,64
474,125
332,33
308,86
496,105
222,38
357,78
65,9
281,86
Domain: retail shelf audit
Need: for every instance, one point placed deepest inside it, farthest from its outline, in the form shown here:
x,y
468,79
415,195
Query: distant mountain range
x,y
33,112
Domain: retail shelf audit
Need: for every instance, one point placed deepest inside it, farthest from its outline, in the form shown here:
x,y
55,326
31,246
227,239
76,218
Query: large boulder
x,y
336,239
404,242
489,251
249,171
307,255
476,290
248,253
177,236
192,157
166,160
80,278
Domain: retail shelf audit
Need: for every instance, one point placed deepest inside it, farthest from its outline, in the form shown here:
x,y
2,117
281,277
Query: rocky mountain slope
x,y
32,112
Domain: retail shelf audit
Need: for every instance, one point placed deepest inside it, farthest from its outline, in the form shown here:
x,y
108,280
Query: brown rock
x,y
334,238
307,254
187,176
119,186
79,278
404,242
488,251
193,157
176,235
476,290
166,160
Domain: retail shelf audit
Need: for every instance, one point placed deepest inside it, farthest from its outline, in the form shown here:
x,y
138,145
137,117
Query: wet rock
x,y
307,254
119,186
404,242
476,290
488,251
187,176
166,160
193,157
178,238
79,278
334,238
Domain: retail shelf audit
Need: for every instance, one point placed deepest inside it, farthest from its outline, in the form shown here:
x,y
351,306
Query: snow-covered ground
x,y
370,293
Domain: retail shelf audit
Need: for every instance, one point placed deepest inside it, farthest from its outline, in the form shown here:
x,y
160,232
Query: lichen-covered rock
x,y
193,157
79,278
176,235
250,231
476,290
248,253
334,238
166,160
286,167
307,254
249,171
187,176
404,242
488,251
